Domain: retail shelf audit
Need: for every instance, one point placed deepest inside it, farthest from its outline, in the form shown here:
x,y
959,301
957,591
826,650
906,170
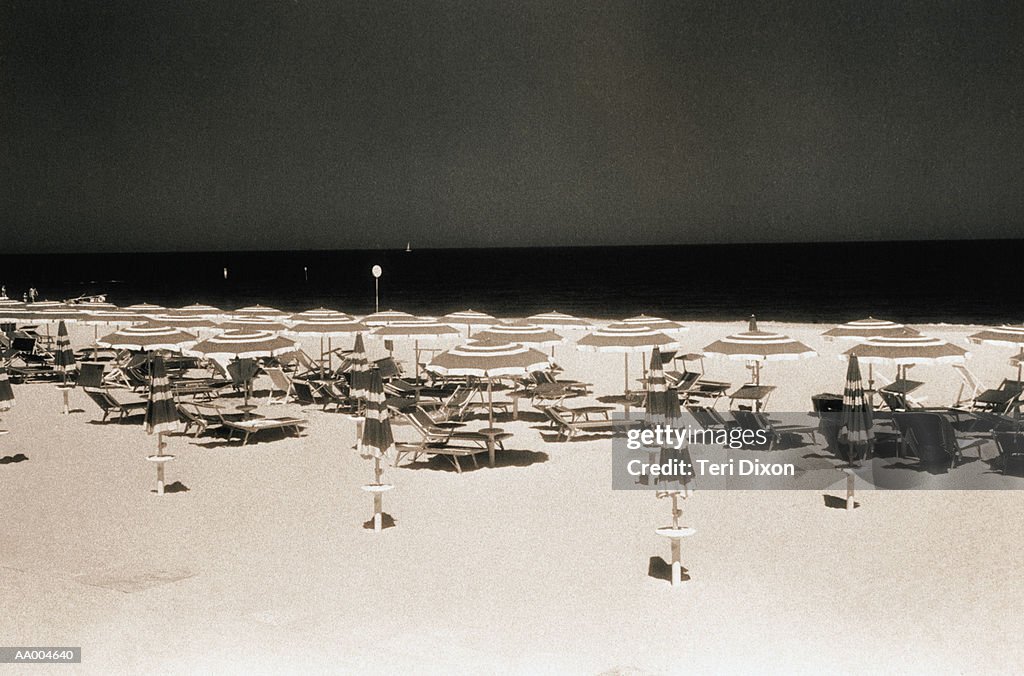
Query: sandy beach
x,y
533,566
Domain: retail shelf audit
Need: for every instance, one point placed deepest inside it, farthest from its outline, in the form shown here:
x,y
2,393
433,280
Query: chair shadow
x,y
660,569
507,458
10,459
836,502
552,437
133,419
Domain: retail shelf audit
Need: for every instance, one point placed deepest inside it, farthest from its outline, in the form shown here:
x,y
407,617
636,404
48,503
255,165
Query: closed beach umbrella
x,y
856,422
426,330
469,319
656,323
386,317
64,356
488,359
558,320
6,391
908,350
868,328
377,438
161,414
662,402
145,338
627,339
758,346
359,374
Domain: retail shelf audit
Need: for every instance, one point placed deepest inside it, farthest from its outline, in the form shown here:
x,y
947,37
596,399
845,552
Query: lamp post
x,y
376,270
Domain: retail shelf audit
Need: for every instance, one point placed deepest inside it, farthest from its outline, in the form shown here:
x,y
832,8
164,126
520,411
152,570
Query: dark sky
x,y
297,124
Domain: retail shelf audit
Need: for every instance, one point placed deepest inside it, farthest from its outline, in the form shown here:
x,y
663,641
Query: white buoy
x,y
225,273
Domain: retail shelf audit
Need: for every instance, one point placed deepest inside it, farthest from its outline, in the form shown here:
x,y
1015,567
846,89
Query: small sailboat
x,y
408,247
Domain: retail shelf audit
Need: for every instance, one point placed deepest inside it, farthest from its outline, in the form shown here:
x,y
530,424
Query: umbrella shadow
x,y
10,459
550,436
386,521
836,502
133,419
175,487
660,569
506,458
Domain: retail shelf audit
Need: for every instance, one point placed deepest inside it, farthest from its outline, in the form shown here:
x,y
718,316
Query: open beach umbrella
x,y
145,338
359,374
188,322
323,323
758,346
243,345
470,318
253,324
426,330
856,421
197,310
1007,335
385,317
488,359
656,323
112,316
558,320
259,311
146,309
627,340
908,350
868,328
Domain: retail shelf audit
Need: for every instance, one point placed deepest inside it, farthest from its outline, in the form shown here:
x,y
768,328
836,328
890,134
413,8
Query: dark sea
x,y
951,281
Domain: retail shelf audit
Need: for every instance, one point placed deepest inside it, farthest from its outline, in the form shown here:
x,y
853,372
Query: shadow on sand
x,y
176,487
386,521
9,459
660,569
507,458
836,502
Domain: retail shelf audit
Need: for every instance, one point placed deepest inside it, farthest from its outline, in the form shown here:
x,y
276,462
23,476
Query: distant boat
x,y
408,247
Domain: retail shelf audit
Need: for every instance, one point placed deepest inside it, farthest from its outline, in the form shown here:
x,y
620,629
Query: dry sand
x,y
262,566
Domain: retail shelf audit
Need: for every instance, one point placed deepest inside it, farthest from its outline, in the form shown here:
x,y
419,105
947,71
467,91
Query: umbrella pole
x,y
159,465
378,499
416,345
625,359
321,357
490,422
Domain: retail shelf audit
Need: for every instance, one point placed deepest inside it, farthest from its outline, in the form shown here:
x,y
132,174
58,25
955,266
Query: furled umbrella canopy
x,y
6,391
359,373
64,356
856,422
377,438
161,414
662,401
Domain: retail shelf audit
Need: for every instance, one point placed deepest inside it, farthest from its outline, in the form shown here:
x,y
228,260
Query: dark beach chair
x,y
931,439
435,440
111,403
1011,448
567,428
250,426
758,421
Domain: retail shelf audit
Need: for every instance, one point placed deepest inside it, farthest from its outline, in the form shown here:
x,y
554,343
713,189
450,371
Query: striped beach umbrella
x,y
197,310
161,414
558,320
756,346
253,324
385,317
259,311
235,344
377,439
856,423
146,309
323,323
6,391
112,316
520,332
359,374
11,310
417,330
470,318
488,359
662,402
189,322
868,328
656,323
144,338
908,350
1007,335
625,339
64,356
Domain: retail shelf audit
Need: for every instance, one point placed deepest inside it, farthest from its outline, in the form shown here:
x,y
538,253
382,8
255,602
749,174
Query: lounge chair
x,y
306,392
435,440
930,438
707,417
111,403
970,387
280,382
250,426
567,428
759,421
1011,447
573,386
335,392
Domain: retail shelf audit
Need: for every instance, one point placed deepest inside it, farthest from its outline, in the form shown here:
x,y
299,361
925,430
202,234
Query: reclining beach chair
x,y
573,386
111,403
970,386
931,439
567,429
250,426
435,440
758,421
280,382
